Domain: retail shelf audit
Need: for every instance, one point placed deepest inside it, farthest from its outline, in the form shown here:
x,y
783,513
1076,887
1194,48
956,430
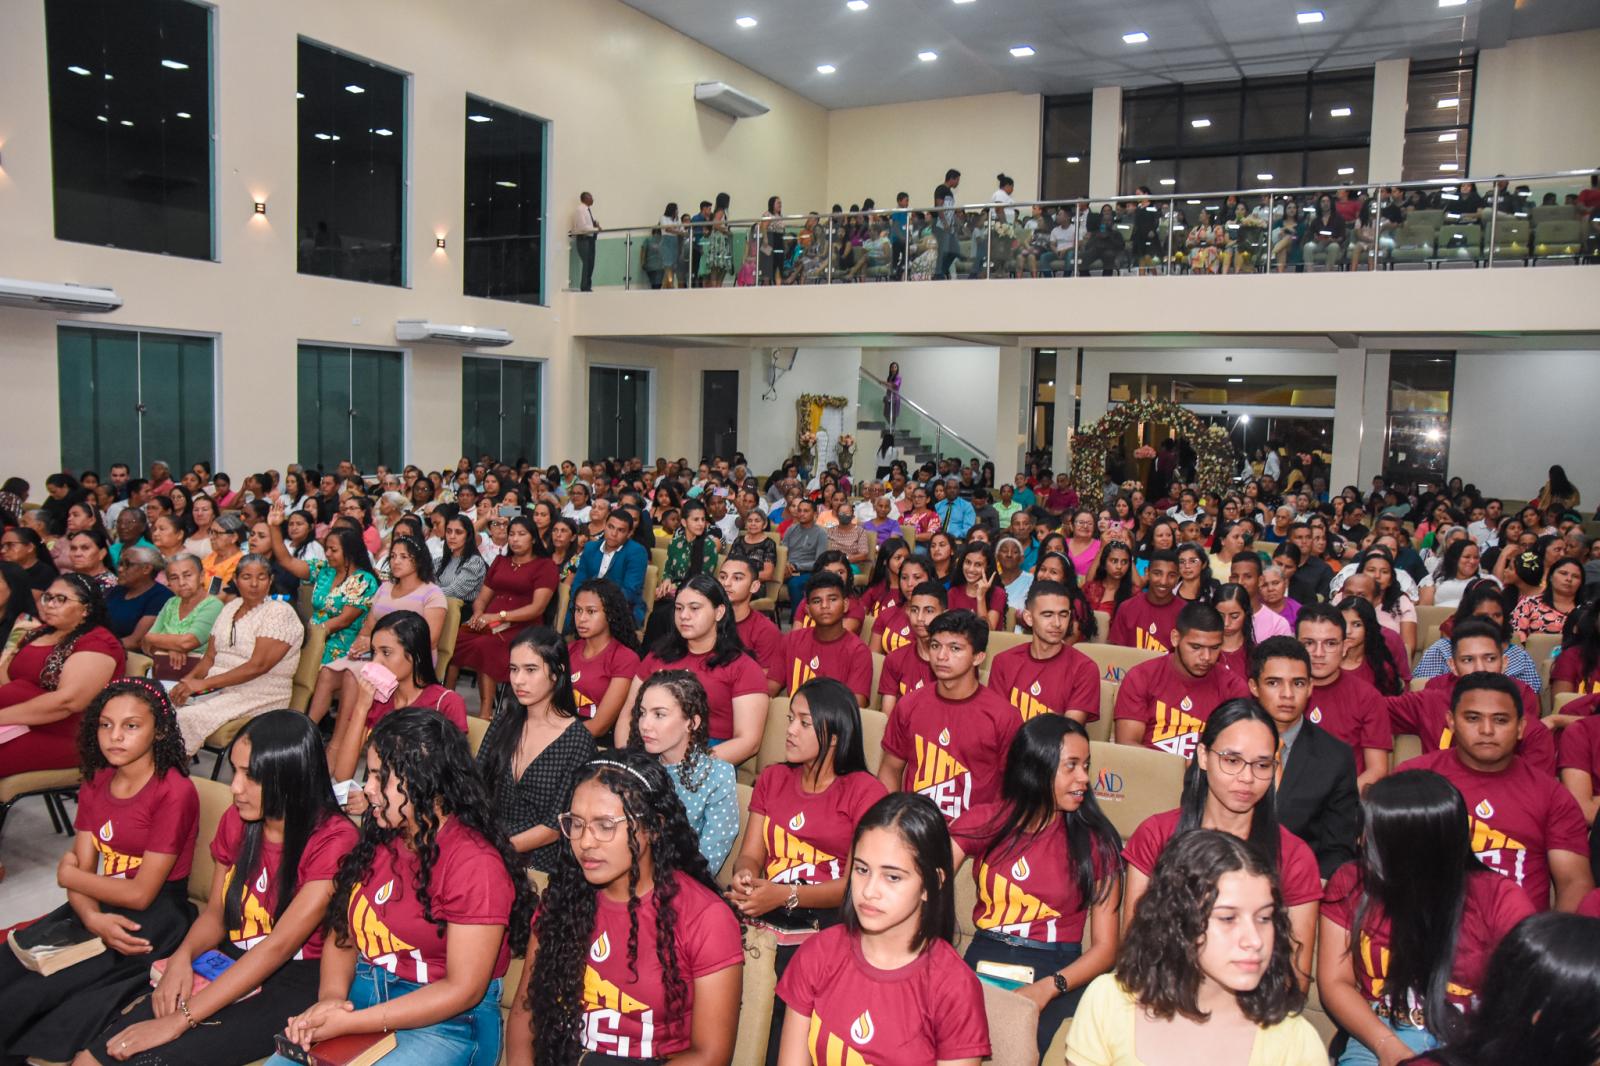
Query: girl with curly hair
x,y
421,906
605,655
634,955
887,978
669,722
276,849
1206,962
125,874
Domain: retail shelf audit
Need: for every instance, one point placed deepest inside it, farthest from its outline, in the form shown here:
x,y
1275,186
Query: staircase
x,y
920,436
913,449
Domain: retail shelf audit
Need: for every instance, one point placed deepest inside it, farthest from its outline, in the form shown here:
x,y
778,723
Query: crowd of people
x,y
1344,228
391,846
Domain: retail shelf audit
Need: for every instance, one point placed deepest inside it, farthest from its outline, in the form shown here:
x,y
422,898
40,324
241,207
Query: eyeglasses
x,y
605,829
1232,764
55,599
4,544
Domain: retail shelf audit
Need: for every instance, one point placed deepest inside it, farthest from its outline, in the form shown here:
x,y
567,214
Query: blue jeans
x,y
1045,959
1358,1054
471,1038
797,587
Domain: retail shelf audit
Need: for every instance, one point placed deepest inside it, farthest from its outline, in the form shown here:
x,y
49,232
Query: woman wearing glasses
x,y
634,954
1231,786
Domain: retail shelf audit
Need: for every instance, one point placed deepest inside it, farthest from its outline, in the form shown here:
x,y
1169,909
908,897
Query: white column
x,y
1389,80
1012,408
1105,141
1350,429
1066,382
1375,418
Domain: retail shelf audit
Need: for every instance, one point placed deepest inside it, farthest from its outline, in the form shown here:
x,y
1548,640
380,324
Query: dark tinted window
x,y
352,167
505,204
1438,119
1066,147
130,123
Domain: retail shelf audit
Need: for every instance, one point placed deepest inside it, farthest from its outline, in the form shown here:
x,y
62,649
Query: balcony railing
x,y
1523,220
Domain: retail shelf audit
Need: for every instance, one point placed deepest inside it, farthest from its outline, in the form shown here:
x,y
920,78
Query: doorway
x,y
619,412
719,413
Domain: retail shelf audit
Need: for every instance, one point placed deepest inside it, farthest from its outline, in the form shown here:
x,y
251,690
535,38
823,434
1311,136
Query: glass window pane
x,y
1275,110
99,391
1438,98
480,407
130,123
1210,118
1272,168
378,424
504,203
604,412
1148,173
1435,154
175,375
352,167
1208,174
520,401
324,390
1149,118
1065,179
1336,166
1341,108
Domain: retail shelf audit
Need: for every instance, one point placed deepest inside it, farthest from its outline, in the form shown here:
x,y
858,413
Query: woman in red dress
x,y
518,592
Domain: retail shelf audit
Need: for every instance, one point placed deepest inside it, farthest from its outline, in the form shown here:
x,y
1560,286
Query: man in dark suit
x,y
1317,798
616,556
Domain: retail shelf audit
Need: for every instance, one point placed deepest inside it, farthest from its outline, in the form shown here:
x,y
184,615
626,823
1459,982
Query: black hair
x,y
1264,833
1083,620
1450,562
1484,681
964,624
1027,792
935,589
565,923
1208,582
19,597
1249,558
1479,628
1124,590
166,751
835,718
469,543
1390,595
410,629
289,762
1236,595
1415,858
1198,616
1548,596
353,548
1321,612
1380,660
1279,647
697,545
917,822
1580,636
672,646
421,558
97,534
614,602
495,760
427,757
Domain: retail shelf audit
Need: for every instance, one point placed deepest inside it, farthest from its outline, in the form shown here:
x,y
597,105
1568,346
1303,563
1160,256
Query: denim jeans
x,y
1358,1054
1045,959
471,1038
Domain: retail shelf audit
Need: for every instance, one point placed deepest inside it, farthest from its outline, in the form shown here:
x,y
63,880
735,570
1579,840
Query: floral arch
x,y
1093,444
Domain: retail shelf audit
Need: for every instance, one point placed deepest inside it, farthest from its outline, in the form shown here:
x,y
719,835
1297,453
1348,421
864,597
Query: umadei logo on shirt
x,y
106,832
1484,809
600,950
1175,729
1028,704
1010,909
798,822
861,1032
941,777
114,863
373,938
383,894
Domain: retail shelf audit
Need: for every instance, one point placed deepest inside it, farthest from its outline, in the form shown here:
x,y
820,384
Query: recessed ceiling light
x,y
479,118
80,71
1446,138
1451,3
1449,166
324,136
927,57
173,64
1263,177
745,22
1022,51
383,132
1236,381
826,68
1346,171
1169,181
1199,123
1449,101
506,184
184,114
1339,112
358,90
1307,18
1074,159
962,1
1136,37
110,78
1140,162
127,122
101,118
857,5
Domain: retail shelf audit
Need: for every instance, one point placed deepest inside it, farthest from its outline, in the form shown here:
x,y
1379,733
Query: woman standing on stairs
x,y
887,452
891,397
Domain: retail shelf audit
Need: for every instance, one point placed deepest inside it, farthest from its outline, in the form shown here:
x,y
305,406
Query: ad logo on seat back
x,y
1108,787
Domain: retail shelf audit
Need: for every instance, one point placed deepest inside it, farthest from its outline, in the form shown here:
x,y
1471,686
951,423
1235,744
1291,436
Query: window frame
x,y
405,405
542,297
538,365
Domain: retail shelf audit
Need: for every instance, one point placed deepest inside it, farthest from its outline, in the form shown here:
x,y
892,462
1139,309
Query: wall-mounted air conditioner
x,y
419,329
723,97
16,292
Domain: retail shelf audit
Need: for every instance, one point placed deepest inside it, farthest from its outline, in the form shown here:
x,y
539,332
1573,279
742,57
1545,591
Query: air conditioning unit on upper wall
x,y
419,329
723,97
16,292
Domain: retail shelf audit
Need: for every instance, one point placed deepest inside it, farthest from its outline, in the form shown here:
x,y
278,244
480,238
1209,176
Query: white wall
x,y
957,386
1533,107
1518,412
773,422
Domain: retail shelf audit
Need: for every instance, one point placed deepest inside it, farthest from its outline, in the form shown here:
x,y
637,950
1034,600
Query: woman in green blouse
x,y
692,550
183,627
342,585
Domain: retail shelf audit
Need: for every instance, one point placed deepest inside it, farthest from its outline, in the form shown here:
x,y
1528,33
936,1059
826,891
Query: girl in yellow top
x,y
1206,962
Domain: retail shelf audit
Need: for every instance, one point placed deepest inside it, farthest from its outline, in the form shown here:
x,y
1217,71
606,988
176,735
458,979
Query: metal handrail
x,y
923,411
1164,197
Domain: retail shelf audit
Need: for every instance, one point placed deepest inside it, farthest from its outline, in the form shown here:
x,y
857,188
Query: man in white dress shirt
x,y
584,228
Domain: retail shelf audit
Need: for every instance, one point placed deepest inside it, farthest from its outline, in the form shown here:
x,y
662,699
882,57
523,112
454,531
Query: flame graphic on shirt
x,y
816,663
1020,869
261,882
798,822
1484,809
1035,689
381,896
106,831
1316,716
861,1032
944,739
600,950
1186,705
577,676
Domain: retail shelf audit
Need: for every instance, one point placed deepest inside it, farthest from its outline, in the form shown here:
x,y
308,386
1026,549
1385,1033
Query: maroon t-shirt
x,y
1568,667
434,698
1398,653
319,861
625,1005
1067,681
1580,748
1027,885
808,834
892,630
469,886
723,684
854,609
761,636
954,750
1298,877
1426,715
845,659
958,599
904,671
879,598
591,677
930,1010
1493,906
1141,624
1590,905
161,818
1518,816
1172,704
1352,711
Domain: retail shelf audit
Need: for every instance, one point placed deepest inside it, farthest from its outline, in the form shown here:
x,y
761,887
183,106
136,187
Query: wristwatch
x,y
502,616
793,901
1060,982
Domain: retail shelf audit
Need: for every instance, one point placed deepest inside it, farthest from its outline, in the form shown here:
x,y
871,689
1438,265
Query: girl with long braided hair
x,y
426,908
125,875
635,955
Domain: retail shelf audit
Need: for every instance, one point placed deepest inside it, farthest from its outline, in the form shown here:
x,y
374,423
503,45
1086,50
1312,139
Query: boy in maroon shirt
x,y
1164,703
1045,676
1524,825
739,579
1579,762
907,669
948,740
826,648
1341,703
1147,620
1475,647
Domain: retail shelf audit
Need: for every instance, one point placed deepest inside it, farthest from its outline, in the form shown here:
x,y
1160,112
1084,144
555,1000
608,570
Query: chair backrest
x,y
1132,783
966,902
1013,1023
1406,747
874,700
1001,641
138,665
652,578
1541,648
725,875
215,799
1114,660
1551,213
563,601
1433,218
873,723
1561,699
1460,235
658,558
305,674
477,729
1557,233
771,750
756,997
1102,623
1101,728
1429,619
1419,683
447,634
1509,231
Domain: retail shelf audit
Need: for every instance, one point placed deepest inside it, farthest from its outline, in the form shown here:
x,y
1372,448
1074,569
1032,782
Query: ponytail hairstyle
x,y
1235,594
167,751
1385,672
1264,832
656,824
288,761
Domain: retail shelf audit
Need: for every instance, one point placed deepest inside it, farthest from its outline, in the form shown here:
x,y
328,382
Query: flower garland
x,y
808,416
1092,445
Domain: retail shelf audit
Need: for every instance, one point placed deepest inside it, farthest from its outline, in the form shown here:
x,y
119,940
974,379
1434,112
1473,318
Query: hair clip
x,y
621,766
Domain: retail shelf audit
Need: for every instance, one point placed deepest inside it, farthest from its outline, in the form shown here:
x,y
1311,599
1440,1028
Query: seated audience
x,y
908,668
1147,620
1578,758
759,634
1547,612
615,555
754,544
605,655
133,604
891,628
183,625
826,648
692,550
89,554
342,584
519,591
1487,601
227,536
855,615
1367,654
1232,602
22,548
1342,703
1163,703
669,721
976,587
1046,675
